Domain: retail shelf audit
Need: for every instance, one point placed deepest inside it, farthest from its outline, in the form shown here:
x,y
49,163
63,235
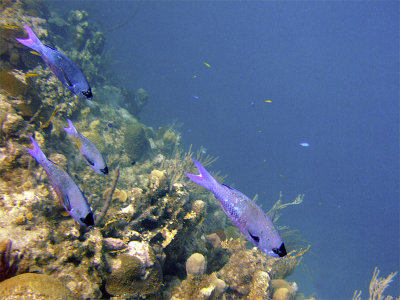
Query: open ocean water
x,y
330,71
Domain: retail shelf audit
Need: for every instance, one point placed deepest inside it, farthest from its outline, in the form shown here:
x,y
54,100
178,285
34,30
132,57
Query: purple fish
x,y
65,70
68,192
256,226
88,150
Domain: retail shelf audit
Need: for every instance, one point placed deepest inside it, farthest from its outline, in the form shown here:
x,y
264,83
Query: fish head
x,y
88,220
100,167
104,170
83,90
279,251
268,240
95,161
88,93
85,219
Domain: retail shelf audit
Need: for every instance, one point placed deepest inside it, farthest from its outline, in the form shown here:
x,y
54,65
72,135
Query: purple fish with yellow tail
x,y
67,190
65,70
256,226
88,150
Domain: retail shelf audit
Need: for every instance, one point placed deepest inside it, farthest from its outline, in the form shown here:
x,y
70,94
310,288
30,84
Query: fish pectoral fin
x,y
88,160
67,203
66,78
255,238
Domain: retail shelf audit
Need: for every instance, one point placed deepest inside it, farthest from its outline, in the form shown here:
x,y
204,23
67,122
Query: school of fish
x,y
253,223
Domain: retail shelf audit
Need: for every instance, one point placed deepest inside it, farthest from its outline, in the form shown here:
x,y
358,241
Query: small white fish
x,y
304,144
203,150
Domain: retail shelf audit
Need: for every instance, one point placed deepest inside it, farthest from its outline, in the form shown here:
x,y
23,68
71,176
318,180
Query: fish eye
x,y
281,252
88,94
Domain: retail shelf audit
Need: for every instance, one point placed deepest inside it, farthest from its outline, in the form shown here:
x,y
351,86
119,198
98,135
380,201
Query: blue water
x,y
331,72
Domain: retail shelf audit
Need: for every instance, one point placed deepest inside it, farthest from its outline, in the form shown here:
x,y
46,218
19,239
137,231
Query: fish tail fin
x,y
36,152
32,41
205,179
71,130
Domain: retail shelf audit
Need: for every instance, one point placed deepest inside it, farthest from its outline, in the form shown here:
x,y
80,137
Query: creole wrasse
x,y
88,150
67,190
256,226
65,70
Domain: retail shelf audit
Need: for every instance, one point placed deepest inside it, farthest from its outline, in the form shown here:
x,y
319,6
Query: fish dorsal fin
x,y
88,160
67,203
53,163
66,78
228,186
51,47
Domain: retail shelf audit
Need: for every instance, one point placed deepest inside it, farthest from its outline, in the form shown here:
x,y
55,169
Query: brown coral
x,y
8,260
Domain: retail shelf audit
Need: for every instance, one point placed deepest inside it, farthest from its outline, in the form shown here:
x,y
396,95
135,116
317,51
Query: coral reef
x,y
135,142
196,264
34,286
157,235
135,273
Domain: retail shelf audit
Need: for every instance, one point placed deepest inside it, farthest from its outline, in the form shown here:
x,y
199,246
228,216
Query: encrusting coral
x,y
34,286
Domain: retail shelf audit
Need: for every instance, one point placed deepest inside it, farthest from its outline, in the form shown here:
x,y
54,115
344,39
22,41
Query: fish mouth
x,y
281,251
104,171
88,220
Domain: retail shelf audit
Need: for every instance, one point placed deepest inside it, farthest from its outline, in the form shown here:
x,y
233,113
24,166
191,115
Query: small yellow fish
x,y
64,213
78,143
194,76
268,101
12,27
207,64
47,124
36,53
283,176
27,75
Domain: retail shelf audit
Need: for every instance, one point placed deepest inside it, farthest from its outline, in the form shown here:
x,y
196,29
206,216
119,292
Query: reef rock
x,y
241,273
135,273
33,286
159,184
196,264
281,294
135,141
12,124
